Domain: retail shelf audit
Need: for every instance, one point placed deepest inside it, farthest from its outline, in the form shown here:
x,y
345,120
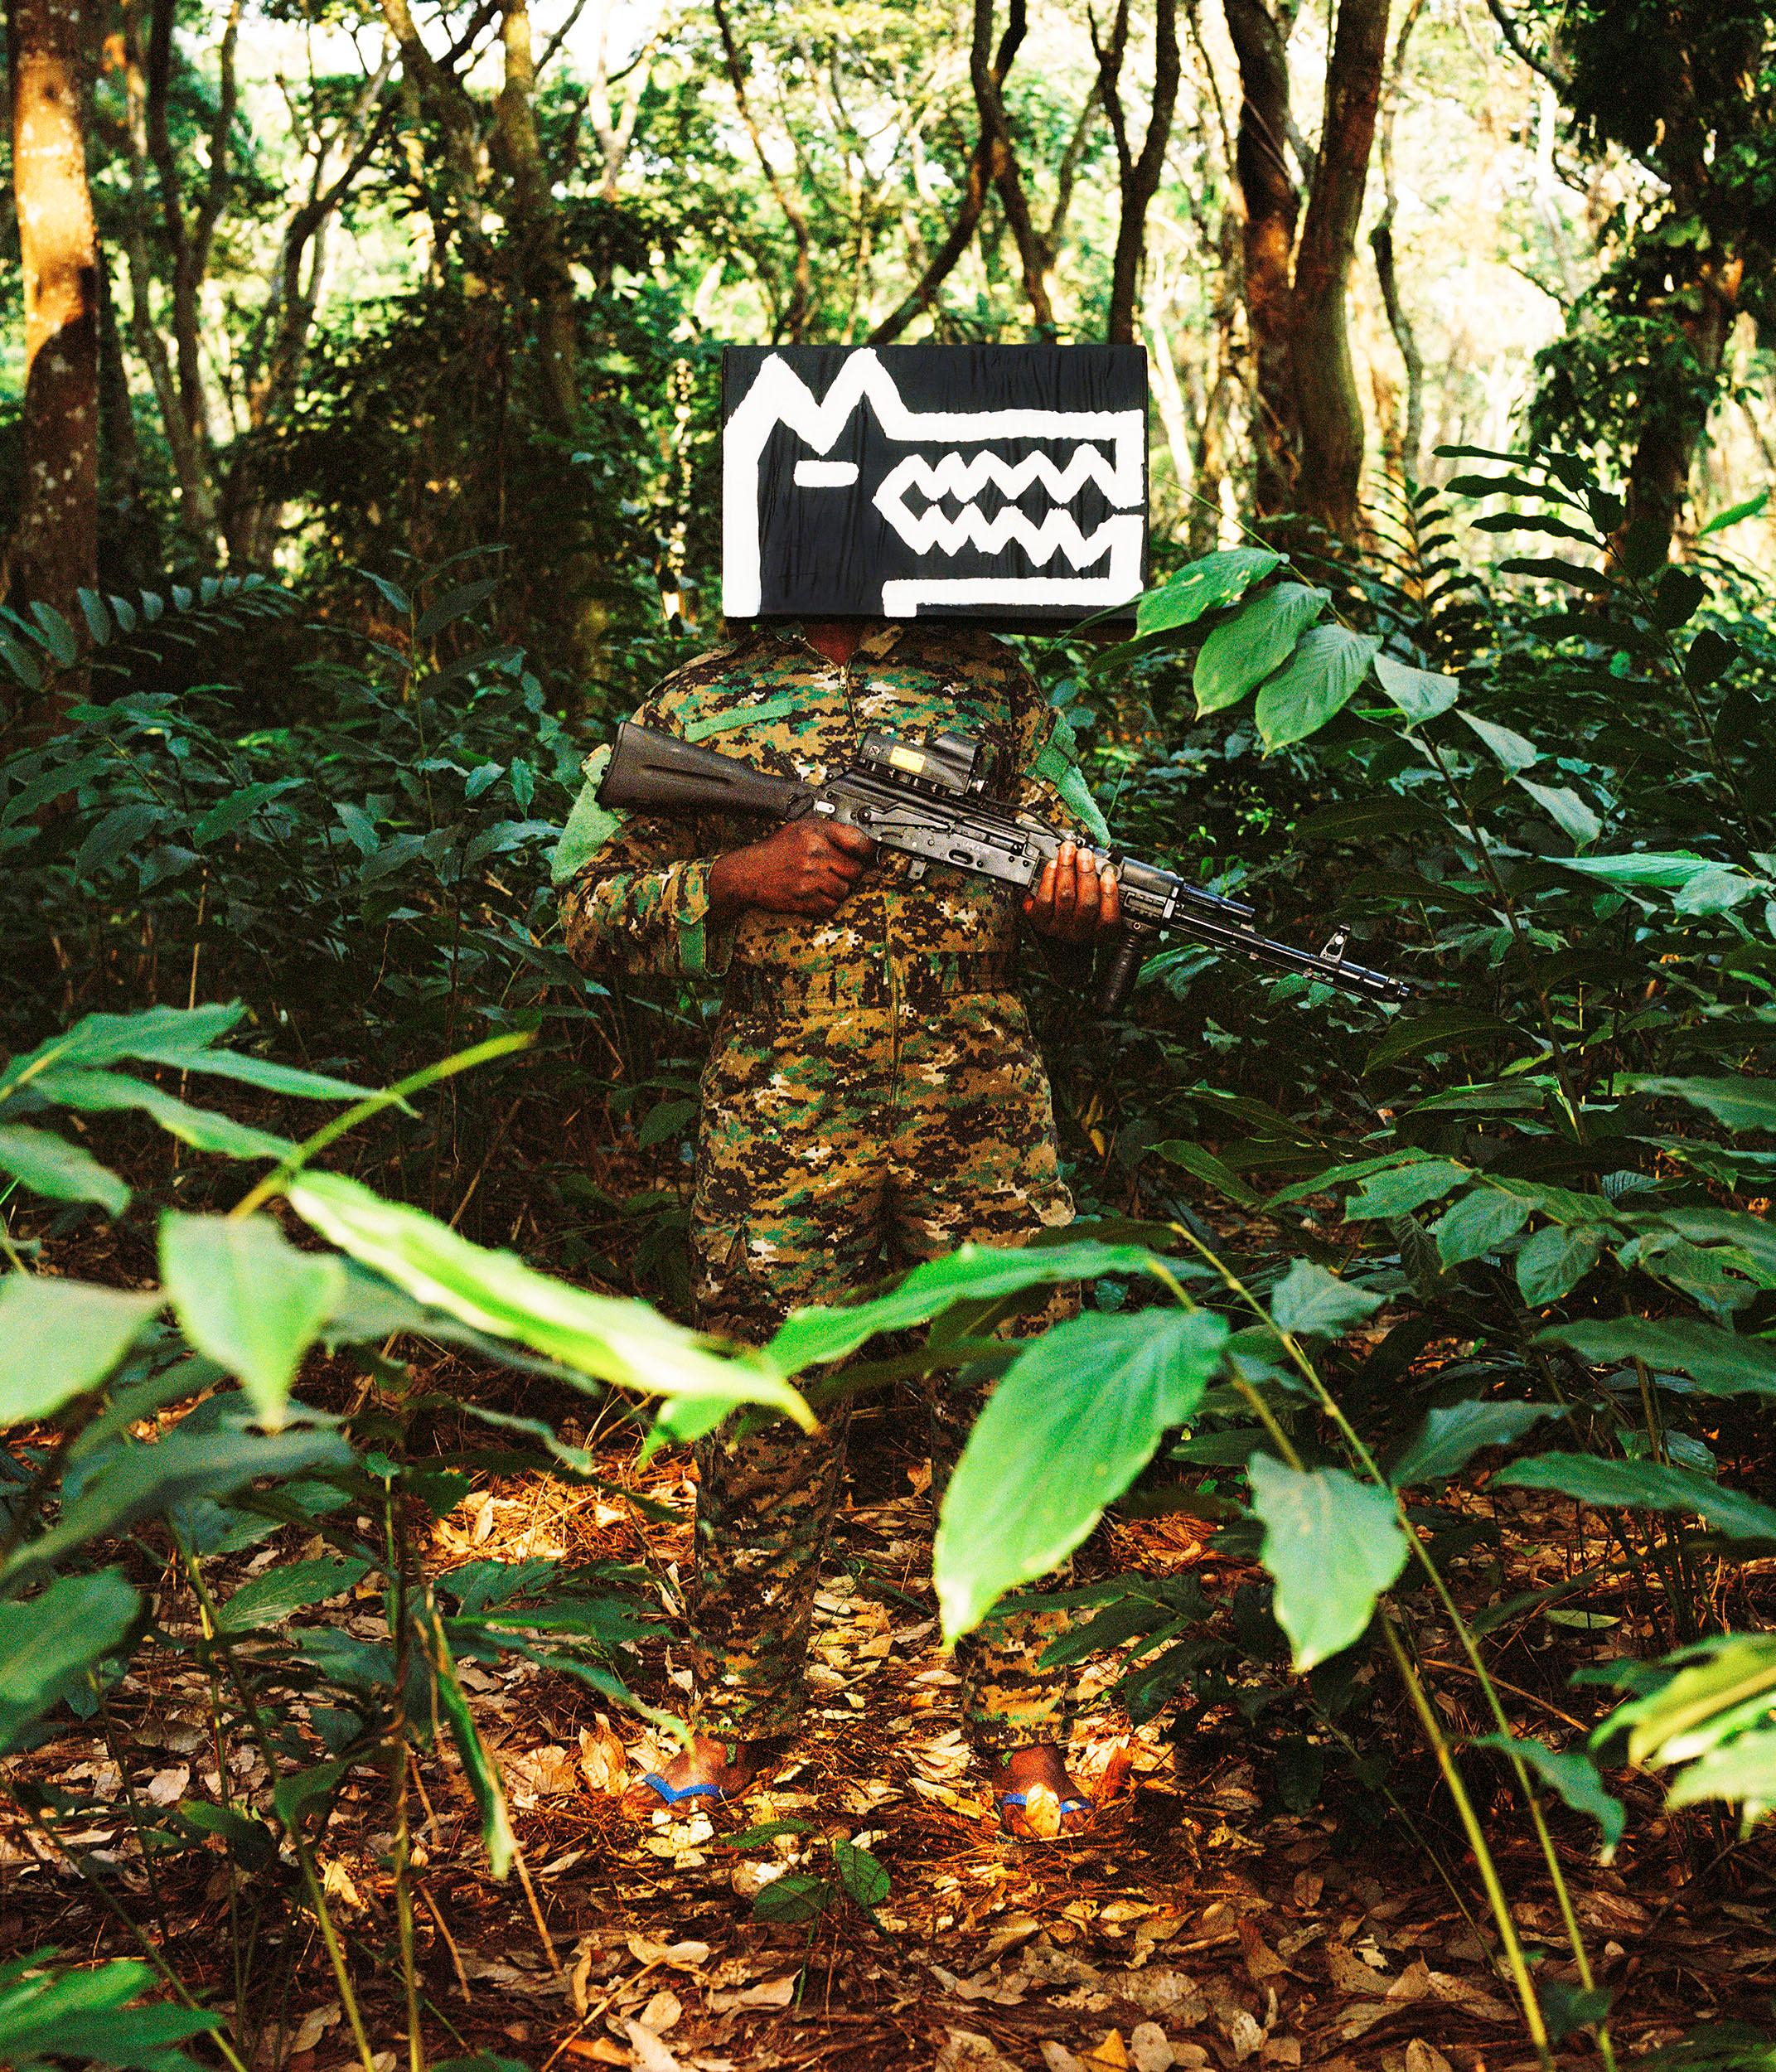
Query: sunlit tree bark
x,y
55,550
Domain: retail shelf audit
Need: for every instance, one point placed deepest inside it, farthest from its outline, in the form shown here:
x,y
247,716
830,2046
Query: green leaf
x,y
294,1792
49,1643
1218,578
1644,1485
1308,1301
392,593
1443,1028
49,1165
1318,681
1730,1685
120,830
1572,1773
84,2017
1332,1544
1738,1103
1077,1415
624,1342
97,618
238,808
1478,1224
483,1772
58,636
1735,513
797,1896
1720,1362
1242,653
972,1273
268,1599
1513,752
452,605
1421,694
1666,868
1450,1437
864,1877
1401,1189
1198,1159
1742,1770
1557,1259
145,1479
244,1295
204,1129
59,1338
1568,811
1708,658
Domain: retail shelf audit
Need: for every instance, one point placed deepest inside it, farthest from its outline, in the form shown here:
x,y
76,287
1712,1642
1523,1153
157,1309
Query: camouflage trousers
x,y
843,1135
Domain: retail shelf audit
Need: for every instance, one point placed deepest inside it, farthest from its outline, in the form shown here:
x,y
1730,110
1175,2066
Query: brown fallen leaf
x,y
603,1760
1262,1961
600,2050
661,2011
1350,1974
1150,2048
649,2053
1422,2057
965,2052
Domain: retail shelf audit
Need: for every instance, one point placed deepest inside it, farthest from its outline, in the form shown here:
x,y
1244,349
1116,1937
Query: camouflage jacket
x,y
634,888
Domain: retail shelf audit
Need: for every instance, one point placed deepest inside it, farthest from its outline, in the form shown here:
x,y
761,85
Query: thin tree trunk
x,y
1138,173
1328,407
1270,205
1381,244
539,227
982,171
801,291
129,547
1658,476
56,550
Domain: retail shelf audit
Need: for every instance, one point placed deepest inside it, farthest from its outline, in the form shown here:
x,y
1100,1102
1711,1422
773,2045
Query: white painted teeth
x,y
964,477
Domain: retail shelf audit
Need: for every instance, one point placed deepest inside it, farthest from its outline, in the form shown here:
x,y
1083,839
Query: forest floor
x,y
1198,1924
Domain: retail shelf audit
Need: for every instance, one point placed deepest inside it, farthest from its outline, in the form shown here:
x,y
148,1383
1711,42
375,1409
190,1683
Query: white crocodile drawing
x,y
1109,451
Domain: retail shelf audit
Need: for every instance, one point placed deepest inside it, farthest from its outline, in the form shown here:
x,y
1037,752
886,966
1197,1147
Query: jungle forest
x,y
1391,1488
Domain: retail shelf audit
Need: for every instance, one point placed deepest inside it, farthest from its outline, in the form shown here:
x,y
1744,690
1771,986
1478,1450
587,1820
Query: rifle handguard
x,y
652,773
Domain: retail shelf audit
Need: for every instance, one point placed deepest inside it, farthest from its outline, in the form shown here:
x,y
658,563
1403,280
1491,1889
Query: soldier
x,y
872,1091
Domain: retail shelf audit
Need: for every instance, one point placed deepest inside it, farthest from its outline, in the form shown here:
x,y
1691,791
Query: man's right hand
x,y
808,866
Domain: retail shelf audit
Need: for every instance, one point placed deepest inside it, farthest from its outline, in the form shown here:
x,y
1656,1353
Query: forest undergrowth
x,y
1424,1364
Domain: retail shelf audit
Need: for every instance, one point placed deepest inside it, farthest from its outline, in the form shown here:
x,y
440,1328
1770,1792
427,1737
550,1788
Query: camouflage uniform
x,y
873,1090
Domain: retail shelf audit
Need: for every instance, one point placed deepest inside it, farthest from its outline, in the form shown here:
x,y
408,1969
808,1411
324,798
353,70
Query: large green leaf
x,y
624,1342
478,1765
972,1273
1742,1770
1557,1259
268,1599
1402,1189
1440,1028
1568,811
59,1338
1217,579
1450,1437
1075,1418
1512,751
203,1129
49,1165
1479,1223
1421,694
1739,1103
1318,681
105,1040
246,1297
1332,1544
1722,1685
145,1479
1572,1773
85,2016
1645,1485
1242,653
48,1642
1308,1300
1720,1362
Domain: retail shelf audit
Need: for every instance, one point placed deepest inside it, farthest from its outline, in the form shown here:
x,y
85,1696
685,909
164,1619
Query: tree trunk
x,y
1271,204
1138,173
56,551
1329,411
546,275
1659,476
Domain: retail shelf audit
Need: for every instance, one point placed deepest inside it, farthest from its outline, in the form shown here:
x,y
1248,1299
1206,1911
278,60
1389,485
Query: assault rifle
x,y
926,799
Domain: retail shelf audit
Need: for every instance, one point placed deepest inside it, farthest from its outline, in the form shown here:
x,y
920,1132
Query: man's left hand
x,y
1075,902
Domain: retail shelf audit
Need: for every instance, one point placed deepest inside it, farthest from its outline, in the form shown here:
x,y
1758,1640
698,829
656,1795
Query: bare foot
x,y
1041,1772
729,1766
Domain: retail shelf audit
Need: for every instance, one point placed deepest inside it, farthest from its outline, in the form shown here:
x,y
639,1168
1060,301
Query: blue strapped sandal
x,y
676,1794
1022,1798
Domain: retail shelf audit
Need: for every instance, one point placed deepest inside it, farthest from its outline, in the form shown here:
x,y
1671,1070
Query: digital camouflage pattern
x,y
873,1098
